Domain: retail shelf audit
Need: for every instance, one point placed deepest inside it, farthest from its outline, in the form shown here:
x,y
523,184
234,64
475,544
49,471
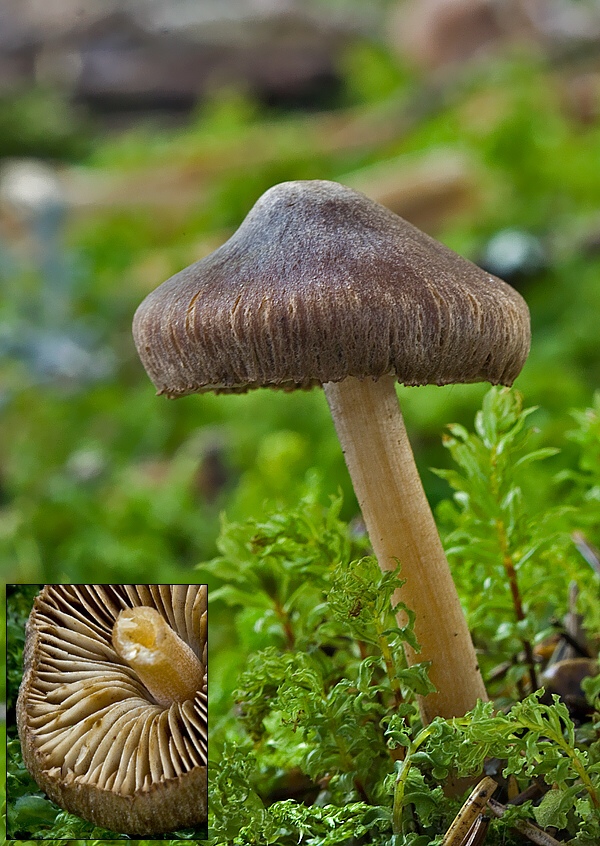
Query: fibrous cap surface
x,y
320,283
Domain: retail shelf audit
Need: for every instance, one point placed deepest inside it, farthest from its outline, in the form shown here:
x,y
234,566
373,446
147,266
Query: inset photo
x,y
107,721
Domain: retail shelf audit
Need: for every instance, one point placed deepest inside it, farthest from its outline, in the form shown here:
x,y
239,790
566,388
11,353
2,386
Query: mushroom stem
x,y
401,527
165,665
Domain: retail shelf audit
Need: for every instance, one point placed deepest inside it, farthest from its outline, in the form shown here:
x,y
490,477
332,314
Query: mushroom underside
x,y
93,736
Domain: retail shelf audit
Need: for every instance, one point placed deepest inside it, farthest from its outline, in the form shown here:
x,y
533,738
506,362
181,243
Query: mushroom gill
x,y
100,734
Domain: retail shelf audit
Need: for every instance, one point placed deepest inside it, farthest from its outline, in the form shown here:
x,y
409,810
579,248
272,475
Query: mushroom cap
x,y
320,283
92,736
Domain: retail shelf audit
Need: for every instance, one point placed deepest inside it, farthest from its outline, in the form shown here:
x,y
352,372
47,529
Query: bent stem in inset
x,y
167,667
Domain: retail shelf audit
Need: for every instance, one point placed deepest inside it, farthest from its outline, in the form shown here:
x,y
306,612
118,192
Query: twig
x,y
533,832
589,552
462,824
534,791
478,832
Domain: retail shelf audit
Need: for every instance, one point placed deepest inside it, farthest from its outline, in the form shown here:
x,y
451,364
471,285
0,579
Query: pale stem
x,y
401,527
163,662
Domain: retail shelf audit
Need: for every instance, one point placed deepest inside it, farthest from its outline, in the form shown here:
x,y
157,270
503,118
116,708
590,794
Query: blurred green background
x,y
479,122
495,151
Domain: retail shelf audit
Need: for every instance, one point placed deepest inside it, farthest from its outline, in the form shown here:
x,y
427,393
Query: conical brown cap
x,y
320,283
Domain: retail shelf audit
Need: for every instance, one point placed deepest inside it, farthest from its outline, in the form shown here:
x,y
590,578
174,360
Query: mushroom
x,y
322,286
112,709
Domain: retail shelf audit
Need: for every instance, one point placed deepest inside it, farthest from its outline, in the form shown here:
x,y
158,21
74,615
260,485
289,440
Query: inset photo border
x,y
107,712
